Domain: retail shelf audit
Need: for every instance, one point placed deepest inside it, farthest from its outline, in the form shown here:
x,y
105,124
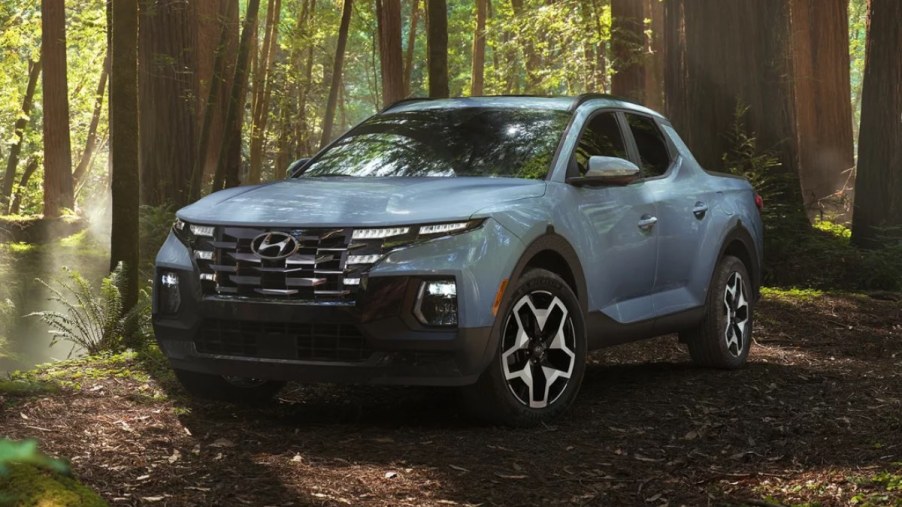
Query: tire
x,y
236,390
723,339
509,392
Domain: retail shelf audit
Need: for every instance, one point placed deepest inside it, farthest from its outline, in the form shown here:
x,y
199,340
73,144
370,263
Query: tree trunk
x,y
411,44
261,102
58,191
168,86
227,170
91,142
30,169
216,82
437,47
653,95
477,85
390,52
878,186
34,72
124,136
304,134
628,45
820,31
338,63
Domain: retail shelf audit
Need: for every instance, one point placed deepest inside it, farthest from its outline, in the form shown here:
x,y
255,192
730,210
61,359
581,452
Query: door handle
x,y
647,222
700,210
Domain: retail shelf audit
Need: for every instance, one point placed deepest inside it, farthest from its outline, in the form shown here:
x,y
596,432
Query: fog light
x,y
169,297
437,303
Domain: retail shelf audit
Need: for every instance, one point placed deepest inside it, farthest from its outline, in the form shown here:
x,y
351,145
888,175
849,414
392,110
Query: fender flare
x,y
739,233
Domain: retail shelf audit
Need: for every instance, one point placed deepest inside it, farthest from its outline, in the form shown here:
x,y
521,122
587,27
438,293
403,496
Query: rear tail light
x,y
759,202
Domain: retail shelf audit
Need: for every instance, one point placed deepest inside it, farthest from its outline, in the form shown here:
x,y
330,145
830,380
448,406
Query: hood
x,y
343,201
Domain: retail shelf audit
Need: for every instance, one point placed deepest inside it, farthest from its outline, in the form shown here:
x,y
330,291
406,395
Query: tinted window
x,y
655,159
505,142
601,137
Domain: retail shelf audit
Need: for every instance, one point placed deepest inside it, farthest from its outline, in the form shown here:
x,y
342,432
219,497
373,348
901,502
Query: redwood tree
x,y
820,31
878,186
34,72
124,145
477,83
390,51
58,191
437,47
628,45
337,65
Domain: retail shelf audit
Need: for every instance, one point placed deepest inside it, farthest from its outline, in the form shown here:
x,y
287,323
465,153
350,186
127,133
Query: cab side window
x,y
601,137
653,153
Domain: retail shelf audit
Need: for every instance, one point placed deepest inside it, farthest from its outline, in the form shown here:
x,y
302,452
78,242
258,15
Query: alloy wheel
x,y
736,310
538,347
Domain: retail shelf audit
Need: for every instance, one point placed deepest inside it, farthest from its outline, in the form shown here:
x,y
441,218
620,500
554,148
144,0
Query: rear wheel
x,y
541,357
724,338
234,389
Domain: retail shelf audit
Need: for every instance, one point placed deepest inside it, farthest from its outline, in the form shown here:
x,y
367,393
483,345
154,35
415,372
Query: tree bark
x,y
437,47
820,31
878,186
264,83
628,44
304,135
58,191
91,142
390,51
338,63
168,87
34,72
477,85
124,139
227,170
411,44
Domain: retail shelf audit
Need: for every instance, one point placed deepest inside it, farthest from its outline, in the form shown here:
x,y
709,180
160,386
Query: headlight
x,y
168,298
379,233
443,228
436,303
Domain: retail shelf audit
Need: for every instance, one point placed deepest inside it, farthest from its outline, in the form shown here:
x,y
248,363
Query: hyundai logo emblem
x,y
274,245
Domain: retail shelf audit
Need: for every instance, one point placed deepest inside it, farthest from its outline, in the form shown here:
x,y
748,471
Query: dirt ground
x,y
814,419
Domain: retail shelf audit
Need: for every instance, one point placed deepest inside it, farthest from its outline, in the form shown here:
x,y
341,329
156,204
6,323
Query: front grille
x,y
283,340
317,272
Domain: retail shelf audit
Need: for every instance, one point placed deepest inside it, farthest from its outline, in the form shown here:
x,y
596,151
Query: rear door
x,y
683,206
620,263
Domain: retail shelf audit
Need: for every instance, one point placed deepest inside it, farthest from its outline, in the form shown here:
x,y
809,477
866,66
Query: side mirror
x,y
295,167
607,171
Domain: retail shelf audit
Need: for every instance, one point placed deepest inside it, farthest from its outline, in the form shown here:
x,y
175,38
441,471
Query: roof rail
x,y
404,101
585,97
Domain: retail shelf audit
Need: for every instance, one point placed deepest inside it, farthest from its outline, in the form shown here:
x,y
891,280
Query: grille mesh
x,y
283,340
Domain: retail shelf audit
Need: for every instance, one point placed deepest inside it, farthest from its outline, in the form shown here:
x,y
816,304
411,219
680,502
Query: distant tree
x,y
22,120
391,58
437,47
124,140
58,190
477,83
263,84
653,60
337,66
628,44
87,156
878,186
226,170
411,44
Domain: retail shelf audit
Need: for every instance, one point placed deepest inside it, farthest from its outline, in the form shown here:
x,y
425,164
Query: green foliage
x,y
155,222
93,319
7,313
30,486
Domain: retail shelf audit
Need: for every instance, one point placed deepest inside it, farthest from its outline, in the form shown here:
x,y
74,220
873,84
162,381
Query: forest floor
x,y
814,419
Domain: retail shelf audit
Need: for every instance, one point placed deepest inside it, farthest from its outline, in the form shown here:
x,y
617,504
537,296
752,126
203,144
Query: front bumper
x,y
281,340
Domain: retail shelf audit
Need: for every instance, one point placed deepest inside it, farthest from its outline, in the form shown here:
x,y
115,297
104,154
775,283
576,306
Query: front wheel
x,y
724,337
541,357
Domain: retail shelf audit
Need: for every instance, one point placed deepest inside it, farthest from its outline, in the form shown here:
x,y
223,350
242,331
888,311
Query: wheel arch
x,y
739,243
553,252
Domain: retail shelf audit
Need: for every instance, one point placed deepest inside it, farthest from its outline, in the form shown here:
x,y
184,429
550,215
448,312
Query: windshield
x,y
502,142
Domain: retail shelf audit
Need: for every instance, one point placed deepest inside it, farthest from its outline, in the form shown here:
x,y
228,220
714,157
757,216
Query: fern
x,y
95,321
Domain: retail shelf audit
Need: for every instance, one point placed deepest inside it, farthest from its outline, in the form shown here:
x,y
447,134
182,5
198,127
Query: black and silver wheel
x,y
541,357
724,338
225,388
